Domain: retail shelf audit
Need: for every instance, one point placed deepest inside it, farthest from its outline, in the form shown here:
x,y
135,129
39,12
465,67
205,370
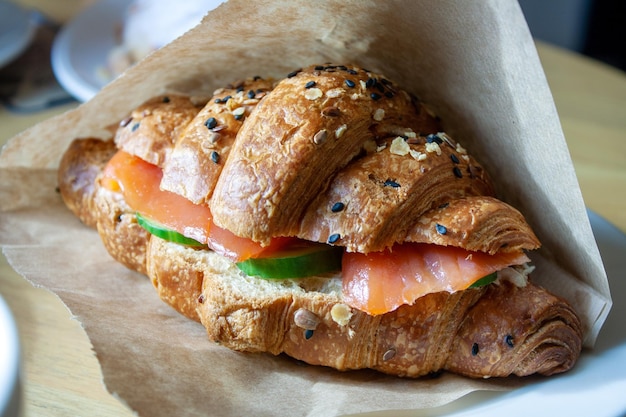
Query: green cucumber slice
x,y
163,232
295,262
486,280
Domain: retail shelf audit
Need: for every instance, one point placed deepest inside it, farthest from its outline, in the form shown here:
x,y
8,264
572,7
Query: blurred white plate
x,y
81,49
9,363
16,31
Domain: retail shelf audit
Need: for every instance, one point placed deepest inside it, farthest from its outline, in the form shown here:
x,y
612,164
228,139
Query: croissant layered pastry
x,y
326,216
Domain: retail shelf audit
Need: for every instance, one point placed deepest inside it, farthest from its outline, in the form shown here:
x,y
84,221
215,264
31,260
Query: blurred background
x,y
29,81
596,28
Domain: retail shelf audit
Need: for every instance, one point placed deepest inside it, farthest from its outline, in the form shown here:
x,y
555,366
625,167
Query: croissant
x,y
338,158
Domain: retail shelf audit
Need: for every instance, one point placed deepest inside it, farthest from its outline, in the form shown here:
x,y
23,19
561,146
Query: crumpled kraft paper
x,y
475,65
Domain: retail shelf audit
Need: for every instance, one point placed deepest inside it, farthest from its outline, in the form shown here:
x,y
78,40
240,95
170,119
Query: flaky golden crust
x,y
476,223
152,129
124,239
384,192
80,165
199,154
299,136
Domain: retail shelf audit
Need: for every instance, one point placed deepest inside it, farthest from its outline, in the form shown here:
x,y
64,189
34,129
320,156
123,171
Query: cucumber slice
x,y
163,232
295,262
486,280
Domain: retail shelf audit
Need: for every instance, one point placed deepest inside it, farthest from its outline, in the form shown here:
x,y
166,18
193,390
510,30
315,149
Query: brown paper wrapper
x,y
475,65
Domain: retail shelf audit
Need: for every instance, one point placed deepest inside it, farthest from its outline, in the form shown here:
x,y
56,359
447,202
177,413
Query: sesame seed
x,y
308,334
454,158
210,123
294,73
457,172
375,96
166,99
257,78
389,94
370,82
331,112
441,229
475,349
432,138
352,72
509,340
135,127
391,183
310,84
320,137
215,157
251,94
334,238
337,207
379,114
389,354
306,319
239,111
350,83
319,67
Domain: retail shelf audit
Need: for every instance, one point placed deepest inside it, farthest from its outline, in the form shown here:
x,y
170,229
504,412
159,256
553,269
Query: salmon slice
x,y
380,282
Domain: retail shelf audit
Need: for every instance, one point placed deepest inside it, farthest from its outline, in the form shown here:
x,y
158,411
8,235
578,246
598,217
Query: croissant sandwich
x,y
326,216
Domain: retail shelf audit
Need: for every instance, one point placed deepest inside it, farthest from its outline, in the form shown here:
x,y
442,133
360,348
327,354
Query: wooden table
x,y
61,377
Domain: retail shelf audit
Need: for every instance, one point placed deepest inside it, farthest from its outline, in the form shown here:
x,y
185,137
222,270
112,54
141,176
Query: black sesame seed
x,y
370,82
375,96
352,72
257,78
215,157
211,123
454,158
509,340
308,334
240,89
389,94
434,138
380,87
166,99
310,84
391,183
441,229
135,127
293,73
251,94
444,205
350,83
225,99
337,207
238,116
319,67
475,349
334,238
457,172
385,81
